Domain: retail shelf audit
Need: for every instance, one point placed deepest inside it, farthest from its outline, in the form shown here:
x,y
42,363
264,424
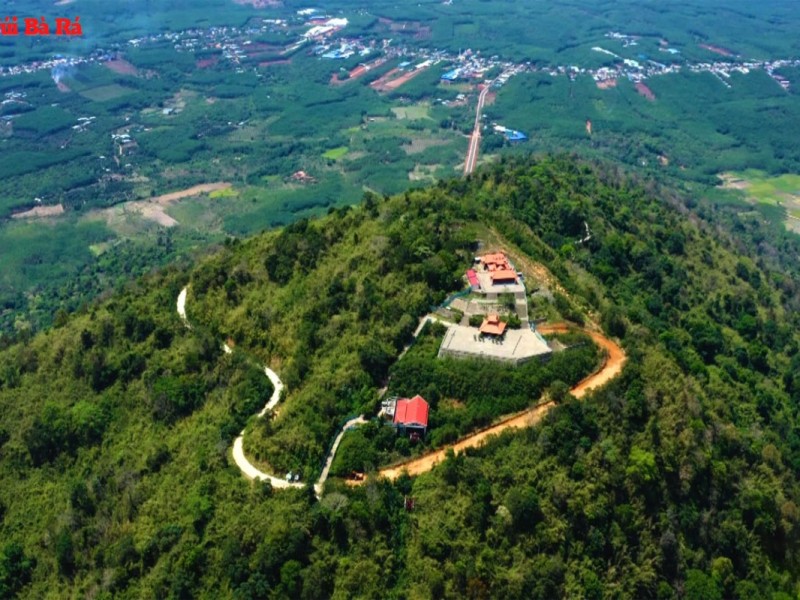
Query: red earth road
x,y
611,368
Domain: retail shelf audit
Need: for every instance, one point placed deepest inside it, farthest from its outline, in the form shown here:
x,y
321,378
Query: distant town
x,y
317,31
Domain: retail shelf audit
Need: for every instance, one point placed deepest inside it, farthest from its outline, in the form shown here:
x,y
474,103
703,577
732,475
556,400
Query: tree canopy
x,y
676,480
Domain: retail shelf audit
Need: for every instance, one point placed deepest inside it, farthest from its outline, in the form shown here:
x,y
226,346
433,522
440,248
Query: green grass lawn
x,y
416,111
763,188
226,193
780,194
335,153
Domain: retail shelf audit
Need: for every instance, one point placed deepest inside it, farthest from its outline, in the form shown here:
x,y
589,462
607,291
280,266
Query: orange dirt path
x,y
389,82
612,367
203,188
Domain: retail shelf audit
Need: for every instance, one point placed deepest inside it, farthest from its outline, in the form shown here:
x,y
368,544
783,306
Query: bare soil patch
x,y
121,66
391,81
196,190
606,84
396,83
731,182
154,212
39,212
383,79
281,61
717,50
154,209
207,63
645,91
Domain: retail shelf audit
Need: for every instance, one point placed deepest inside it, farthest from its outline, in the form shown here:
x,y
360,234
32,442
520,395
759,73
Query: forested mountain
x,y
676,480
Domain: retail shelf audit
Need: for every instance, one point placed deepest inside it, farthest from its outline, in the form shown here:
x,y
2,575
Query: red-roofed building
x,y
503,276
493,262
499,268
411,415
472,277
302,177
492,325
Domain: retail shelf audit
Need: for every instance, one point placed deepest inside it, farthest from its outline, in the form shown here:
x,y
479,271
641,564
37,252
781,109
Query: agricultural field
x,y
758,187
563,33
146,136
694,128
100,137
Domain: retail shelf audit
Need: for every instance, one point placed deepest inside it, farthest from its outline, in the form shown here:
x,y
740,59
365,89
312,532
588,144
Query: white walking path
x,y
422,322
182,307
359,420
245,466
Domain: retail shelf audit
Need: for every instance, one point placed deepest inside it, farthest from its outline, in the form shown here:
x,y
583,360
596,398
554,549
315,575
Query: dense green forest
x,y
677,480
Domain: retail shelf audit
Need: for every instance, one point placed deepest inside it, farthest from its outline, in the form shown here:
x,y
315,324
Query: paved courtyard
x,y
518,345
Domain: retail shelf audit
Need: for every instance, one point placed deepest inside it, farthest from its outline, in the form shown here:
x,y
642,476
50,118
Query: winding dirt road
x,y
612,366
247,468
615,360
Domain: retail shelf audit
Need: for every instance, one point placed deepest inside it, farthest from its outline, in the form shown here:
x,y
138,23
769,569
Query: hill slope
x,y
676,480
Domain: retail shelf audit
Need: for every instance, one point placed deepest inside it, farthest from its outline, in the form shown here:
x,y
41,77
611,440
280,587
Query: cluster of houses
x,y
124,143
83,123
237,46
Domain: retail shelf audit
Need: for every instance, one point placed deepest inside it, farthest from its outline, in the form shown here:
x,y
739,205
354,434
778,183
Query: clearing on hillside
x,y
758,187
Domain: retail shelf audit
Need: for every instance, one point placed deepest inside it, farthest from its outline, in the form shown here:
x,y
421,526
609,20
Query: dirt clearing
x,y
645,91
390,81
121,66
154,209
39,212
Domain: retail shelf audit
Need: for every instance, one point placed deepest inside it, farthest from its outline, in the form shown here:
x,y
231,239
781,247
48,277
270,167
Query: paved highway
x,y
475,138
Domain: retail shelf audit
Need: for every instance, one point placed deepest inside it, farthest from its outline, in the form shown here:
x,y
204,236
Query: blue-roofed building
x,y
515,136
338,53
451,75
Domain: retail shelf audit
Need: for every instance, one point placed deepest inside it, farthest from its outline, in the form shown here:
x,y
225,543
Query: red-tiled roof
x,y
473,277
498,264
494,259
503,275
411,412
493,325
